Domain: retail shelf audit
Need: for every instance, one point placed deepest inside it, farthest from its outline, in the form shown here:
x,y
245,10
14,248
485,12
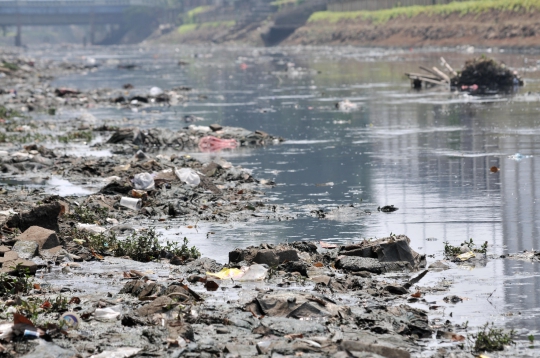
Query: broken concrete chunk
x,y
355,264
9,256
215,127
26,249
46,239
45,216
388,352
390,249
19,267
160,304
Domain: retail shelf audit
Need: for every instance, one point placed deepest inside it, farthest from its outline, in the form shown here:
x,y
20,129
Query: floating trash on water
x,y
494,169
466,256
518,156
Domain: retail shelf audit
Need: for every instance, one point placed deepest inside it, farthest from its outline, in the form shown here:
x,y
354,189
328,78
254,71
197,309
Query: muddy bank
x,y
493,28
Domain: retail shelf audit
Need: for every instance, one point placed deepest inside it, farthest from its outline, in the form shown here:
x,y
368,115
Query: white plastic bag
x,y
188,176
143,181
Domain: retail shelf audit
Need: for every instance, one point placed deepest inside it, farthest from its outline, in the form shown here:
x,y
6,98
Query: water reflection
x,y
428,153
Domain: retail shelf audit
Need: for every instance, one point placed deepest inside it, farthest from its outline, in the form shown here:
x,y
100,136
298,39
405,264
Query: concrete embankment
x,y
513,23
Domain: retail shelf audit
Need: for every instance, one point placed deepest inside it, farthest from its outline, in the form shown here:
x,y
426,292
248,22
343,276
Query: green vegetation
x,y
85,136
460,8
10,285
141,246
491,339
89,215
452,251
190,17
187,28
10,66
6,113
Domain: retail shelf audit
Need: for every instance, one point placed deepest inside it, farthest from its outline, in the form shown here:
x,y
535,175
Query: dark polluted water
x,y
428,153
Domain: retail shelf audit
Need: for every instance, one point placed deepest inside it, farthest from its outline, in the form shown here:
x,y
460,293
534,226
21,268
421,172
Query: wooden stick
x,y
433,73
442,74
422,75
448,66
426,79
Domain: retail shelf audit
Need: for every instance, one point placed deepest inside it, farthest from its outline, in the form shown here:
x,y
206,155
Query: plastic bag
x,y
108,313
255,273
226,273
188,176
143,181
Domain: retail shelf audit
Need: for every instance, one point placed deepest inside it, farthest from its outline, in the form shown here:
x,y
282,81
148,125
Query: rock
x,y
45,216
19,267
160,304
275,257
390,249
384,351
283,326
396,290
438,266
26,249
355,264
215,127
46,239
4,249
9,256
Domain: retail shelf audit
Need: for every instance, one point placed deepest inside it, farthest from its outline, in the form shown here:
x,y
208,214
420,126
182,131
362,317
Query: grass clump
x,y
11,285
85,136
460,8
6,113
490,339
453,251
89,215
141,246
10,66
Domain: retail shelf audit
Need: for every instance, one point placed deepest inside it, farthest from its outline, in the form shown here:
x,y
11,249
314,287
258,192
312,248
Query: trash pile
x,y
480,75
485,75
250,307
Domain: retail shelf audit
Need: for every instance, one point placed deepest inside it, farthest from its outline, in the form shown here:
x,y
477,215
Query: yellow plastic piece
x,y
227,273
466,256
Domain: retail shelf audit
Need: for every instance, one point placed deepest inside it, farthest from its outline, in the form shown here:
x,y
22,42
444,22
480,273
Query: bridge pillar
x,y
92,29
18,36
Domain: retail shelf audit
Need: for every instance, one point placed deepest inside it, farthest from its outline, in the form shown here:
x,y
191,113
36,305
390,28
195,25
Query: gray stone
x,y
283,326
45,216
26,249
388,352
355,264
438,266
19,266
9,256
46,239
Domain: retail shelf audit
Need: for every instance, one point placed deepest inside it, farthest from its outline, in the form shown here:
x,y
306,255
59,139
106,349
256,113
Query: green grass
x,y
187,28
184,29
460,8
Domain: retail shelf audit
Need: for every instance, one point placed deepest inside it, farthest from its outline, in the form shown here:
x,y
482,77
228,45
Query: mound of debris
x,y
484,75
481,75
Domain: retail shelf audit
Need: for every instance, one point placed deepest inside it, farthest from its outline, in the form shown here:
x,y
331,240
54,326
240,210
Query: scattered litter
x,y
188,176
213,144
254,273
518,157
70,320
143,181
108,313
93,228
466,256
122,352
227,273
131,203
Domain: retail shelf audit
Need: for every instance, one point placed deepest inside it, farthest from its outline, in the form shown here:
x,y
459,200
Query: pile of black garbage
x,y
484,75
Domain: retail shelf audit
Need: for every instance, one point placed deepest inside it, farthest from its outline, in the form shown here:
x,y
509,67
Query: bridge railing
x,y
30,3
370,5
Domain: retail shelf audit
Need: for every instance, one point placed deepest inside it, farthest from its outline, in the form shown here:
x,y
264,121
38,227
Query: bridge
x,y
68,12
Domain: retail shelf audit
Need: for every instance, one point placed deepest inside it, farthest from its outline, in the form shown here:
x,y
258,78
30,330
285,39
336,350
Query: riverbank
x,y
478,23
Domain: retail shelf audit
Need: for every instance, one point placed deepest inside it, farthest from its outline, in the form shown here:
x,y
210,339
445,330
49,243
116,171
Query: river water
x,y
427,152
